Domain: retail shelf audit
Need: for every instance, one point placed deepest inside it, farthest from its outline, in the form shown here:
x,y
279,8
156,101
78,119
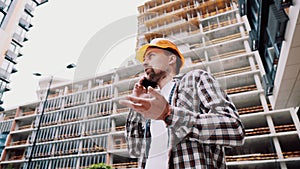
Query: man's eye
x,y
150,55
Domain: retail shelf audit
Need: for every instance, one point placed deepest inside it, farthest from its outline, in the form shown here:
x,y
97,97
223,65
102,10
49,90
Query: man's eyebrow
x,y
149,53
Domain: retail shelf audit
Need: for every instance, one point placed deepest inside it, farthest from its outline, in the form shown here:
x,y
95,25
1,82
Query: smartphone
x,y
147,83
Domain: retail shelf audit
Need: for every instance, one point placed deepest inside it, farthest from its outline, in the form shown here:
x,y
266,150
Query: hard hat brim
x,y
142,50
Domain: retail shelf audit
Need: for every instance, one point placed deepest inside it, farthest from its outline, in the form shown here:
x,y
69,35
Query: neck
x,y
166,79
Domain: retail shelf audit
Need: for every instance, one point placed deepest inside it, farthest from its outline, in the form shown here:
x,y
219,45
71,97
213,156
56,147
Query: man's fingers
x,y
142,99
138,86
139,89
126,103
134,99
141,80
130,104
153,92
135,106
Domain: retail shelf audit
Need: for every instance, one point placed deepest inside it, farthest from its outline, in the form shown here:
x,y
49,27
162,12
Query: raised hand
x,y
139,90
151,105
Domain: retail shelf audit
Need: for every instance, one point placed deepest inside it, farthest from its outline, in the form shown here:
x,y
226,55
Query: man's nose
x,y
145,63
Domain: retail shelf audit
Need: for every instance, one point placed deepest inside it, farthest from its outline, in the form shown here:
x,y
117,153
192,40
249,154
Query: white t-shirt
x,y
158,153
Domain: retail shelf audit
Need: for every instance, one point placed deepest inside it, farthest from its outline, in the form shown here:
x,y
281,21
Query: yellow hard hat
x,y
160,43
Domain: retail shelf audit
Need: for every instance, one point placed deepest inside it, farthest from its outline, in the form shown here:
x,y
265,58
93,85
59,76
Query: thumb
x,y
153,92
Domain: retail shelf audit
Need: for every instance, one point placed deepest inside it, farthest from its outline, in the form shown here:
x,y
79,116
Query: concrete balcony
x,y
29,7
4,75
12,55
24,22
2,5
18,38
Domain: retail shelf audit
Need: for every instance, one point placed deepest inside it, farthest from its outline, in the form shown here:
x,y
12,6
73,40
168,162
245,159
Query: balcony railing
x,y
28,113
224,39
9,117
252,109
228,54
25,127
16,157
126,165
42,154
95,132
217,25
67,136
241,89
122,110
93,149
260,156
99,114
232,71
4,74
120,146
266,130
251,157
20,142
66,152
120,128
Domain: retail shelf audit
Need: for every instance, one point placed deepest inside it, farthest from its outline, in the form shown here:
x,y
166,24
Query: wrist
x,y
166,118
165,113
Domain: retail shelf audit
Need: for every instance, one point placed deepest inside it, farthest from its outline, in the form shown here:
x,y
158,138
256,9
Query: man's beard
x,y
155,75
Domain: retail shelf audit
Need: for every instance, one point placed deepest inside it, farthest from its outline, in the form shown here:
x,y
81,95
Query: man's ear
x,y
172,59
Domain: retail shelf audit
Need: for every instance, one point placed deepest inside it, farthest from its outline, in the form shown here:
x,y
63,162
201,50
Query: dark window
x,y
298,113
254,14
14,48
7,65
2,85
4,6
2,16
7,5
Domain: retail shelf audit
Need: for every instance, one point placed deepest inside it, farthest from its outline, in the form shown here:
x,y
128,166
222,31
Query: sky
x,y
62,31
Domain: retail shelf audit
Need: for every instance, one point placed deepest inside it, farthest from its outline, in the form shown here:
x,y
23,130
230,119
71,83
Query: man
x,y
186,124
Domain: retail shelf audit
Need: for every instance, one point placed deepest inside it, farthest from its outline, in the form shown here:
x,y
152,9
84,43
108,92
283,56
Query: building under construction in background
x,y
83,124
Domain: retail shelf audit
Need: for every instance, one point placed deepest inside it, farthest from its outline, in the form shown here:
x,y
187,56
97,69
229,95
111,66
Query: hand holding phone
x,y
146,83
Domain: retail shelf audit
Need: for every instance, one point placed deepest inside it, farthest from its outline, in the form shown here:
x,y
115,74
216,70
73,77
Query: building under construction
x,y
82,122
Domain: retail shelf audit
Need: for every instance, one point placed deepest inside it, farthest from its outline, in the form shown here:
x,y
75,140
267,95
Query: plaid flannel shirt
x,y
203,120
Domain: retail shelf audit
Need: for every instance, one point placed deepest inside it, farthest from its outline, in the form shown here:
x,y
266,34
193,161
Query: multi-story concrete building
x,y
15,22
82,122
